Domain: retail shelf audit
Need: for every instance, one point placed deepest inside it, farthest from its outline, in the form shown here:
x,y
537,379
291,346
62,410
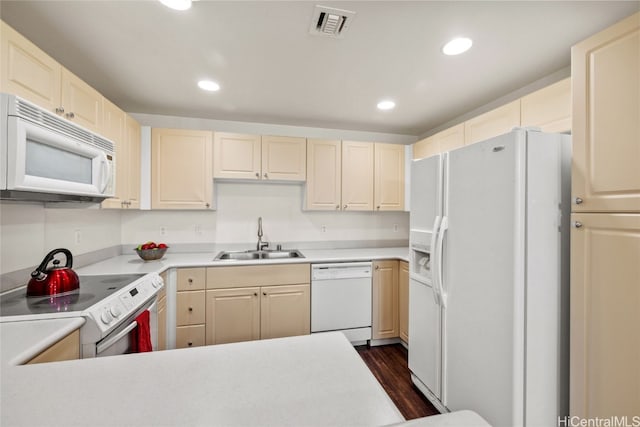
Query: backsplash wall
x,y
236,220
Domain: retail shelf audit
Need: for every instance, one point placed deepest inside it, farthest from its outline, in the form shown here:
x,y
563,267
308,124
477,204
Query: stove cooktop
x,y
93,289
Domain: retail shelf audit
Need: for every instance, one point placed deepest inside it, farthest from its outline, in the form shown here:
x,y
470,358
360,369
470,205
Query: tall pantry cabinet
x,y
605,233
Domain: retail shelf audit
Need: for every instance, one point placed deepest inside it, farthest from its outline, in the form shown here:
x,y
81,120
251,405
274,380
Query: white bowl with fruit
x,y
151,251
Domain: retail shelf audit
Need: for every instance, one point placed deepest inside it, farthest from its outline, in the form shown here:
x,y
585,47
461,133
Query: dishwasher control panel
x,y
345,270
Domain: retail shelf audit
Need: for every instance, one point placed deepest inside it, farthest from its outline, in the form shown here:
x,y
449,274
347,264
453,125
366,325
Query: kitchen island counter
x,y
308,380
129,264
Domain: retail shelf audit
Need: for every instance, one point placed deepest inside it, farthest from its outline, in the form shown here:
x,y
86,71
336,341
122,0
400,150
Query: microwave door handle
x,y
105,173
105,345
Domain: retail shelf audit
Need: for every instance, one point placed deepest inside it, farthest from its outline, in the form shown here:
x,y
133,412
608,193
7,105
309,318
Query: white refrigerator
x,y
488,318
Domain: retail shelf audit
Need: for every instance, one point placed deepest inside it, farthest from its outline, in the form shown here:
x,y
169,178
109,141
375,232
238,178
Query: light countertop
x,y
309,380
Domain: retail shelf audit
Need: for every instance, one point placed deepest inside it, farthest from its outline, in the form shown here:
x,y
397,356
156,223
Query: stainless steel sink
x,y
254,254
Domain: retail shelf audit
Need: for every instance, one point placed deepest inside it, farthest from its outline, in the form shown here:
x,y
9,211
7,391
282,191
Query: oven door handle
x,y
105,345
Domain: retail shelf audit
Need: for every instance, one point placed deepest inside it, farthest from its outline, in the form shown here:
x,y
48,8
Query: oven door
x,y
120,340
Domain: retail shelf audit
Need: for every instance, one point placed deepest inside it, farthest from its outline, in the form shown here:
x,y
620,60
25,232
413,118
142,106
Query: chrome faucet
x,y
261,245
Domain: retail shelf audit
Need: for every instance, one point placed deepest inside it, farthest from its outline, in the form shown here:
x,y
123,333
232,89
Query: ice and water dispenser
x,y
420,253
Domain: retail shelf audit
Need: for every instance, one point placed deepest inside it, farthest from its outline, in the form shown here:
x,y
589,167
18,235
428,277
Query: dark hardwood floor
x,y
389,365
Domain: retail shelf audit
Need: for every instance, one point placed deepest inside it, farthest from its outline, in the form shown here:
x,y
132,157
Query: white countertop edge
x,y
40,334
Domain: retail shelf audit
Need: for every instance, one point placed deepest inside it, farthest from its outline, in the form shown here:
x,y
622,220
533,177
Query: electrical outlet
x,y
198,229
77,236
163,231
323,228
395,228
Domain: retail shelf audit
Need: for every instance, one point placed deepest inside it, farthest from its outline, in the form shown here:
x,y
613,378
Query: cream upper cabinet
x,y
33,75
181,169
385,320
548,108
357,176
324,174
241,156
605,315
403,300
284,158
445,140
493,123
389,177
82,104
27,71
113,129
133,140
605,73
236,156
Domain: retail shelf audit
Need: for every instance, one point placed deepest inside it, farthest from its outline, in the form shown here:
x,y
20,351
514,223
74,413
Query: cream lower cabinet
x,y
605,73
385,319
239,308
255,157
68,348
403,300
605,315
190,307
162,314
181,169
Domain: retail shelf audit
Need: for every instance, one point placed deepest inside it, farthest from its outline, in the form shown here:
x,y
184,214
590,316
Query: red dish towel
x,y
142,334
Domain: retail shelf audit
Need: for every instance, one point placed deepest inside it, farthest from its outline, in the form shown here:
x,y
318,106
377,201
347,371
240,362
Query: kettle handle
x,y
47,259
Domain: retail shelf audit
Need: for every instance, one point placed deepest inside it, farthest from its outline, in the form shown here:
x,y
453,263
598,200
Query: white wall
x,y
28,231
240,204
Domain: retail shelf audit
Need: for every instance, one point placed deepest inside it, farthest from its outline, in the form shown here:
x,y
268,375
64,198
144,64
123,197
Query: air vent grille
x,y
51,121
330,22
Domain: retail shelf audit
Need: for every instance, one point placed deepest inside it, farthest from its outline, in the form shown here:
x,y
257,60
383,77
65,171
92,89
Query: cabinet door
x,y
450,139
162,320
236,156
133,138
190,336
403,304
425,148
82,103
388,177
190,308
113,128
605,315
233,315
324,175
493,123
357,176
68,348
284,158
27,71
385,300
548,108
285,311
181,169
606,112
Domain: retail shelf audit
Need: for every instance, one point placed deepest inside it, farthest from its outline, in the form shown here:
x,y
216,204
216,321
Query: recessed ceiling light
x,y
177,4
457,46
386,105
209,85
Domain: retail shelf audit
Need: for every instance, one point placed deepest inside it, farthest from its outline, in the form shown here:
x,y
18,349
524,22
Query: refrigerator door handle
x,y
434,259
438,279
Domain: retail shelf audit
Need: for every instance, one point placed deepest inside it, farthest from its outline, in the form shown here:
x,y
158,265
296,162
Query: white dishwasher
x,y
341,299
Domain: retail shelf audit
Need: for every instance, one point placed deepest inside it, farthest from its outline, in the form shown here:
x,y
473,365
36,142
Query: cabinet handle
x,y
265,175
70,115
378,207
60,110
190,309
190,280
344,207
578,201
377,267
189,343
264,293
577,224
257,175
206,205
337,207
255,294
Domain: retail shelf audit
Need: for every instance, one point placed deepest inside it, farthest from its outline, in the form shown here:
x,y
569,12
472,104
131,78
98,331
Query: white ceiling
x,y
147,58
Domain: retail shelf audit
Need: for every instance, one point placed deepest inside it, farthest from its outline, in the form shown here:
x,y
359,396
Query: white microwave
x,y
45,157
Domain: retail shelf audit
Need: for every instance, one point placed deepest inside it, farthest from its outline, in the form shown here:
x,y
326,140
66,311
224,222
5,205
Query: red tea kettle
x,y
55,280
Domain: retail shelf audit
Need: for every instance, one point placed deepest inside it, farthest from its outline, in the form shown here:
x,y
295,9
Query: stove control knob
x,y
115,311
155,283
106,317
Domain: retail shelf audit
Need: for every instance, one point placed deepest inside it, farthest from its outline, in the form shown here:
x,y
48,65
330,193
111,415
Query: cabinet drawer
x,y
189,336
191,279
257,275
190,308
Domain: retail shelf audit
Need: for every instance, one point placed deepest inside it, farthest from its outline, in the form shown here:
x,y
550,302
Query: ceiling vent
x,y
330,22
